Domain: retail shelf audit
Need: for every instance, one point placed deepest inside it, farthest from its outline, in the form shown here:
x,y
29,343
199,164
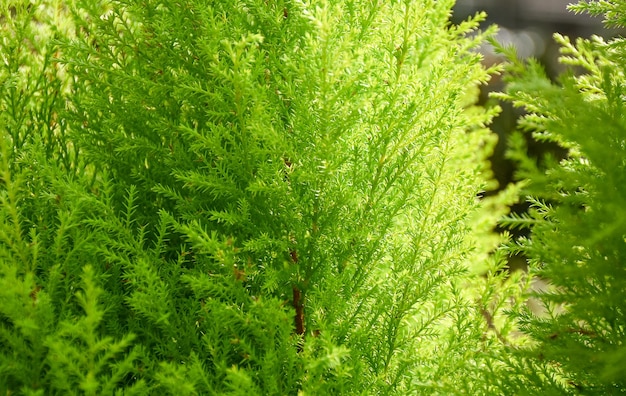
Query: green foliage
x,y
245,197
577,211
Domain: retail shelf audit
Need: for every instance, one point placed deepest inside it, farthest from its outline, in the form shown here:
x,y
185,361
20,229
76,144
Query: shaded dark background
x,y
529,26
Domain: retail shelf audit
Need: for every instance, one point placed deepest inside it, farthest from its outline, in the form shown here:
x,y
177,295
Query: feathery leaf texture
x,y
245,197
577,215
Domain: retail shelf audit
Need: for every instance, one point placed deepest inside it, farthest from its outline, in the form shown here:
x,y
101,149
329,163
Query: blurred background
x,y
529,26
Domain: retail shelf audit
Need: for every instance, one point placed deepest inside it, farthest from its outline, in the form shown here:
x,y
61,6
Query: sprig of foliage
x,y
262,197
577,227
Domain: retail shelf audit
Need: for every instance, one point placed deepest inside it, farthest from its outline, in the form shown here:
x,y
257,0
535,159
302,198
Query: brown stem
x,y
298,304
298,300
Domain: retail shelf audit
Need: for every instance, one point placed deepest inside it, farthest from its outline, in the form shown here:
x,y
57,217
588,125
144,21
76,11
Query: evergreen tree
x,y
245,197
576,222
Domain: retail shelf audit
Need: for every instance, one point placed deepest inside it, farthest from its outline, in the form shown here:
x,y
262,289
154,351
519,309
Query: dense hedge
x,y
283,197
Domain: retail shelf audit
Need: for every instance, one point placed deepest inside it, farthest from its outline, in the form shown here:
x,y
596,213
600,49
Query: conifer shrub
x,y
577,231
244,197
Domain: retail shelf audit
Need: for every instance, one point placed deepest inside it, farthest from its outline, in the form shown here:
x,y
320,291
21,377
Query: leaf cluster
x,y
576,224
244,197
